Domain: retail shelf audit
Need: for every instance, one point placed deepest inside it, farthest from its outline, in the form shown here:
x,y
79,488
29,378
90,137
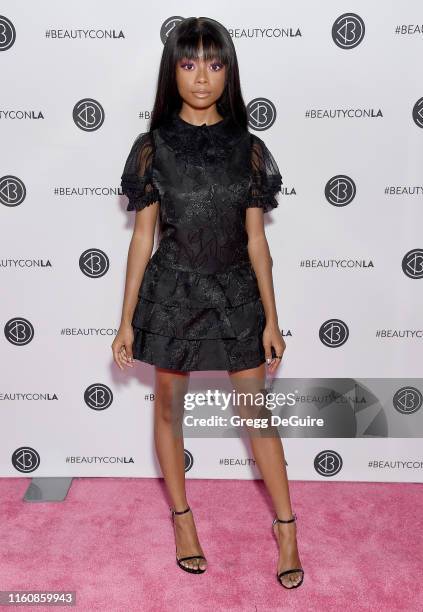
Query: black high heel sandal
x,y
295,569
191,570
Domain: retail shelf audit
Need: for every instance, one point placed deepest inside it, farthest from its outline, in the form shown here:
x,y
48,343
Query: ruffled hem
x,y
265,196
189,289
143,201
191,355
140,191
181,321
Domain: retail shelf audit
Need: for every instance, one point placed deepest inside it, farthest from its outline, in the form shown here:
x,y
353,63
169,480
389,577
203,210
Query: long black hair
x,y
184,41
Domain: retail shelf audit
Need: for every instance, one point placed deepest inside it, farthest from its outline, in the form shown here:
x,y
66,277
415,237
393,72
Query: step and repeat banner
x,y
336,98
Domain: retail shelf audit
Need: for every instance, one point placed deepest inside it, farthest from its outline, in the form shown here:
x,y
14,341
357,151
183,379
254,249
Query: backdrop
x,y
334,95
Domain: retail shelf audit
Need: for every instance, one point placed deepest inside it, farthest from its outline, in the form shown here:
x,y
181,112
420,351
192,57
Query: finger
x,y
273,365
116,356
268,354
129,354
120,358
267,345
279,349
124,355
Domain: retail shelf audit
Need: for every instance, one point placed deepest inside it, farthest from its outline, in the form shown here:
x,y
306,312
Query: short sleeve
x,y
137,178
266,179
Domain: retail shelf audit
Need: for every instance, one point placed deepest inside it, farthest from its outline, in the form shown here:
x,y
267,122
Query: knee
x,y
165,405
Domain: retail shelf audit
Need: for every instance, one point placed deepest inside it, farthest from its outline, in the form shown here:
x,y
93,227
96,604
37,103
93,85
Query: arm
x,y
139,253
261,260
265,184
143,198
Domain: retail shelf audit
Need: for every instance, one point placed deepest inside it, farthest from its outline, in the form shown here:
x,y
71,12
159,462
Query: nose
x,y
202,73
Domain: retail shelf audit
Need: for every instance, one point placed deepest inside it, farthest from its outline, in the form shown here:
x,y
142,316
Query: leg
x,y
269,455
170,387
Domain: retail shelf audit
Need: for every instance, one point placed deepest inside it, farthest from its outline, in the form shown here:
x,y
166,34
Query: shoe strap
x,y
290,571
181,511
291,520
192,557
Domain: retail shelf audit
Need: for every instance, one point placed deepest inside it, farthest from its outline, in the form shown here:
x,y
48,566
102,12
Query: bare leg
x,y
170,386
269,456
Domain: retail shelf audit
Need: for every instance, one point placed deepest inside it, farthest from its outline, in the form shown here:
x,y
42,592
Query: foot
x,y
187,542
286,536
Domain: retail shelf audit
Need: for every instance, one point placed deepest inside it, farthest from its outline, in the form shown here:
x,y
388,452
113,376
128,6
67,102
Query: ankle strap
x,y
291,520
181,511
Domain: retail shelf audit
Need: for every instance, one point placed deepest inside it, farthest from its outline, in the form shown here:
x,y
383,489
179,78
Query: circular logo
x,y
348,31
88,114
19,331
333,333
94,263
25,459
189,460
261,114
12,190
407,400
168,26
412,263
328,463
7,33
98,396
340,190
418,113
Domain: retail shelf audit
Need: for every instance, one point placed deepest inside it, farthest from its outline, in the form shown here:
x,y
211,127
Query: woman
x,y
205,300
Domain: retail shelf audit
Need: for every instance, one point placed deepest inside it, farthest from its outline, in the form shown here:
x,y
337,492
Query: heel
x,y
295,569
191,570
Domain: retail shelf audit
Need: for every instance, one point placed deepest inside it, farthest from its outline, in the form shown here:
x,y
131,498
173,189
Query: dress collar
x,y
190,126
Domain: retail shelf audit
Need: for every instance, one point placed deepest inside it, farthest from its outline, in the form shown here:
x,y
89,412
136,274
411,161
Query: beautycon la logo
x,y
88,114
333,333
7,33
189,460
348,31
340,190
25,459
328,463
98,396
94,263
19,331
412,264
168,26
261,114
418,113
407,400
12,190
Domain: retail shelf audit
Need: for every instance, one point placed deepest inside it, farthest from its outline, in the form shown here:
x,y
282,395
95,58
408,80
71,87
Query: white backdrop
x,y
337,99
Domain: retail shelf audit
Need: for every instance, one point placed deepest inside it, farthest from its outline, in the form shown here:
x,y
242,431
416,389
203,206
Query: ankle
x,y
180,509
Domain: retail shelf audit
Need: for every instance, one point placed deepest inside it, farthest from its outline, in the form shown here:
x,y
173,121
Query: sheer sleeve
x,y
137,178
266,180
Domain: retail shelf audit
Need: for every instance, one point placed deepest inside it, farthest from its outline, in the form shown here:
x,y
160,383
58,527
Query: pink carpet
x,y
111,541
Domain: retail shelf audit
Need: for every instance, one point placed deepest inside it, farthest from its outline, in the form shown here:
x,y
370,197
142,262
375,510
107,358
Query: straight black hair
x,y
184,41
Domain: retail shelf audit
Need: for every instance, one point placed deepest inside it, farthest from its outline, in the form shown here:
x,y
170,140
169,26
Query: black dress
x,y
199,305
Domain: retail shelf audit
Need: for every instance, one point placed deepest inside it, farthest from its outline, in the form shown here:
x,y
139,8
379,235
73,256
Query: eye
x,y
217,65
186,64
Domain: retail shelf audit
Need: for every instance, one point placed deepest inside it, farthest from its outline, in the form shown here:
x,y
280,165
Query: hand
x,y
272,337
122,346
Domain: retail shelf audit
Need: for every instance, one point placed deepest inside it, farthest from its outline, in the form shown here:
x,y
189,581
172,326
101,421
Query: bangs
x,y
189,45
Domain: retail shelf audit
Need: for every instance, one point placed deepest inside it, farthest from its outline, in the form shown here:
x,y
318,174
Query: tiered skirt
x,y
186,320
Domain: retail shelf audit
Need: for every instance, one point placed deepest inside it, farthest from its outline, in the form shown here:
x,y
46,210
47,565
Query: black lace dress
x,y
199,305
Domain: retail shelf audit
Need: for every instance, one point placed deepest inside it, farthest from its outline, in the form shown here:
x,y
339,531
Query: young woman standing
x,y
205,299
